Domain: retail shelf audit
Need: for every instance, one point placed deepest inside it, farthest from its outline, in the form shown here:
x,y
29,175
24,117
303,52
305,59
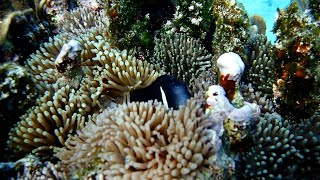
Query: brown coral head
x,y
228,85
69,57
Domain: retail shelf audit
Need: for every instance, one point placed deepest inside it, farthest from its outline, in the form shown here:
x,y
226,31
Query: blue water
x,y
267,9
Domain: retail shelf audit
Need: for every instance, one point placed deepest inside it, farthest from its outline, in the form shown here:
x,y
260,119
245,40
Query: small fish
x,y
166,89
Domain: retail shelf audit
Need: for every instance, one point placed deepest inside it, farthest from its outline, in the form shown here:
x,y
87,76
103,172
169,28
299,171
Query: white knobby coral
x,y
221,109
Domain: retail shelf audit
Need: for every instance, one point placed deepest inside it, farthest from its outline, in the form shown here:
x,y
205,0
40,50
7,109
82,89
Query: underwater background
x,y
177,89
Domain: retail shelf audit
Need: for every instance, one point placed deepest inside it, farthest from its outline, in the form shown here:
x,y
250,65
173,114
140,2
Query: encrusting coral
x,y
297,52
144,140
17,94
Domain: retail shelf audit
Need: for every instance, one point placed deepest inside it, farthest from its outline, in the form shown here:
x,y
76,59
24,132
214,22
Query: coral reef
x,y
16,96
135,23
99,82
297,53
143,140
265,103
235,120
30,167
231,18
193,18
80,20
181,56
309,129
19,29
283,150
314,6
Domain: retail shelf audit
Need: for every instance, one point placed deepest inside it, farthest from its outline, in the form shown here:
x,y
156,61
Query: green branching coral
x,y
274,154
232,29
297,52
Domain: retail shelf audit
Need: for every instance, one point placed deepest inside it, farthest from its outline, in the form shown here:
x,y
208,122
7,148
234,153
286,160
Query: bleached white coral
x,y
231,63
220,108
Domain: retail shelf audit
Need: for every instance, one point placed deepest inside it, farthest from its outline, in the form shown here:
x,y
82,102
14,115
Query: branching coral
x,y
181,56
143,140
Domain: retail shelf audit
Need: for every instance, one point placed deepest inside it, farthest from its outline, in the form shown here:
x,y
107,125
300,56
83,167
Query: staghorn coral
x,y
274,154
181,56
261,65
143,140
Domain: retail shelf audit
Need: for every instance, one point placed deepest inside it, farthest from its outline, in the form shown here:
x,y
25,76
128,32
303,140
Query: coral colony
x,y
185,89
